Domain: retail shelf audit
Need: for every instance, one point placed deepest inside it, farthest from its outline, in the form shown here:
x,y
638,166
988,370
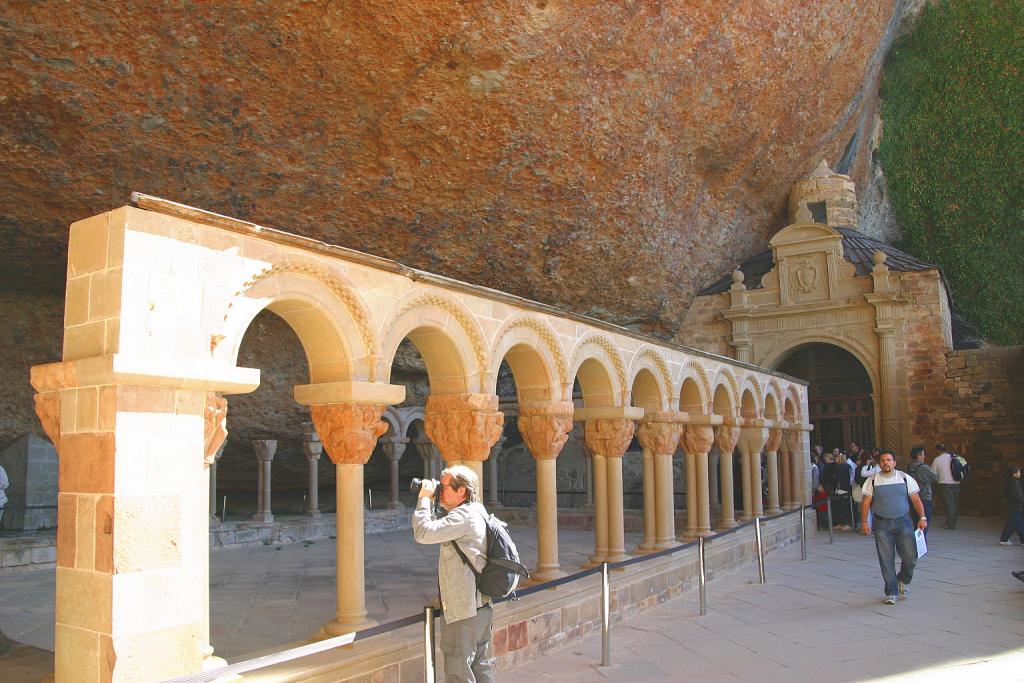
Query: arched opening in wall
x,y
420,458
645,394
269,413
838,397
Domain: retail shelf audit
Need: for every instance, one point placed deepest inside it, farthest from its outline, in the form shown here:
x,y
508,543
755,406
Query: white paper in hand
x,y
922,546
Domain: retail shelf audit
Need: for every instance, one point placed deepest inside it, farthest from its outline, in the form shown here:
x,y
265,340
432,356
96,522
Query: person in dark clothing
x,y
925,477
821,506
1015,507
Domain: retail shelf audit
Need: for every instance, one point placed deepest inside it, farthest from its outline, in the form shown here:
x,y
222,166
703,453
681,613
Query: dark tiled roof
x,y
857,249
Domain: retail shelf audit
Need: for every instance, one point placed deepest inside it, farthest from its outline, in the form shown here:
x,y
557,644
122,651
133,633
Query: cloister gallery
x,y
159,296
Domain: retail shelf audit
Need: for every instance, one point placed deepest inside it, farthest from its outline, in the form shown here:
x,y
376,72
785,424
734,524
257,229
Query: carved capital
x,y
698,439
609,437
726,437
752,439
215,427
791,440
264,449
48,411
774,441
659,433
348,431
311,446
394,447
463,426
545,427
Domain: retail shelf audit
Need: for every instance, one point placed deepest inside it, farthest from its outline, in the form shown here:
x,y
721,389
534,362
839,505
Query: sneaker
x,y
1005,543
890,600
904,590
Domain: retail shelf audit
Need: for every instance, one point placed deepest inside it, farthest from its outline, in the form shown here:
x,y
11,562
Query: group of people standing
x,y
843,473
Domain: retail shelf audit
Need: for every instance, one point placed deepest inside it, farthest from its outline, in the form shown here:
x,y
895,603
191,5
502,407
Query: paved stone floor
x,y
822,620
816,621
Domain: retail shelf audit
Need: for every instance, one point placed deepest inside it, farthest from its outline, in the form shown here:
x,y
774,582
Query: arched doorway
x,y
839,396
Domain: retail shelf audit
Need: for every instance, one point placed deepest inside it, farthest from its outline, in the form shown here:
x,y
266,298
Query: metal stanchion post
x,y
606,617
760,548
702,580
831,531
428,645
803,532
851,507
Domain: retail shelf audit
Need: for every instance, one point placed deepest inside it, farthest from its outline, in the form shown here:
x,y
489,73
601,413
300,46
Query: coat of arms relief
x,y
805,276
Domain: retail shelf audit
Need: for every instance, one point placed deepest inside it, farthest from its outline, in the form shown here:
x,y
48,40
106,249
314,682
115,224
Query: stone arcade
x,y
159,296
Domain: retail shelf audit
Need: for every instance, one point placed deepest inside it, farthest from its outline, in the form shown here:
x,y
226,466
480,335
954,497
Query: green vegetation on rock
x,y
953,154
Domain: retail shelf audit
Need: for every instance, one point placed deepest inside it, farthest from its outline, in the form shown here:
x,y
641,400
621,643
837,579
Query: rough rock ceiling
x,y
610,158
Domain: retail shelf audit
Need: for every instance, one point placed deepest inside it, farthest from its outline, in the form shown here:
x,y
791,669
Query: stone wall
x,y
982,412
704,328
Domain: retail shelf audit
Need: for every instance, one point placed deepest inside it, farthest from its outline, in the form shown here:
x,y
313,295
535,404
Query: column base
x,y
263,517
544,575
664,544
771,512
313,513
727,524
395,505
341,628
593,561
641,549
618,557
704,533
493,504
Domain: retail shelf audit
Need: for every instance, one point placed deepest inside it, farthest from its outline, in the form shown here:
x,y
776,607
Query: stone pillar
x,y
588,465
464,427
545,428
608,439
264,450
786,475
726,436
792,439
214,519
493,501
752,440
714,459
697,441
659,434
891,428
428,454
771,448
132,545
394,448
349,432
312,448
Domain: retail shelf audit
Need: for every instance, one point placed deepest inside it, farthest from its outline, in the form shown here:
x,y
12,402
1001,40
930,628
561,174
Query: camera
x,y
416,484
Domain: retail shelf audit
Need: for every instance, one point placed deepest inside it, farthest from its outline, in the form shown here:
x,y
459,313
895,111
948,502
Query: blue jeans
x,y
1014,522
895,536
927,504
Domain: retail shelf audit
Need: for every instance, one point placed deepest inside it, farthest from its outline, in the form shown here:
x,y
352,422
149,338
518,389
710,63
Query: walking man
x,y
925,477
465,637
888,495
948,486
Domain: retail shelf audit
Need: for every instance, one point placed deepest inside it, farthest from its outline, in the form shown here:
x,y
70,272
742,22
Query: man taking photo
x,y
888,495
465,637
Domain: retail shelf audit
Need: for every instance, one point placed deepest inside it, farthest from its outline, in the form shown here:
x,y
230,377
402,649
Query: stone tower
x,y
824,197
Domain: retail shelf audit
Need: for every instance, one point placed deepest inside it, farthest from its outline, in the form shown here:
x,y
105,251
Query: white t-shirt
x,y
943,467
897,477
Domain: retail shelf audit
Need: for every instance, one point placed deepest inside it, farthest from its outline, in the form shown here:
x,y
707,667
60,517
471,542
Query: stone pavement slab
x,y
822,621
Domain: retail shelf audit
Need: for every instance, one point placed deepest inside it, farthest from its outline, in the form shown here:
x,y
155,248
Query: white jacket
x,y
465,525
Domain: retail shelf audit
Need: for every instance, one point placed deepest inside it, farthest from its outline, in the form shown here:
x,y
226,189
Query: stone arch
x,y
722,402
771,407
694,398
532,352
328,318
725,379
751,406
394,422
407,415
600,370
649,375
649,357
867,357
646,391
792,411
694,370
447,337
773,390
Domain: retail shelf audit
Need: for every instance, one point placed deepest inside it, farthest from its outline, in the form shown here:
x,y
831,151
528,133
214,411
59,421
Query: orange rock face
x,y
606,157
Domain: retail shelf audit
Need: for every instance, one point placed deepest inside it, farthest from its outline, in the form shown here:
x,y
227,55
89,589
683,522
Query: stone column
x,y
771,448
726,436
214,519
312,448
714,459
588,465
493,501
659,434
752,440
349,432
428,454
697,441
608,440
785,475
464,427
264,450
791,438
394,448
891,431
545,428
